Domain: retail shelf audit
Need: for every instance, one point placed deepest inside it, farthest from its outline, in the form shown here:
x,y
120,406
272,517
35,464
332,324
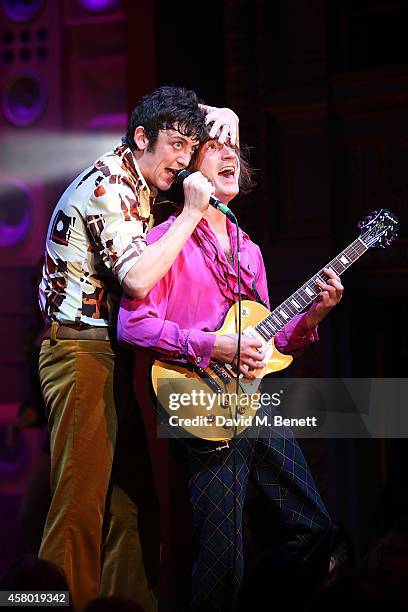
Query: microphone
x,y
181,177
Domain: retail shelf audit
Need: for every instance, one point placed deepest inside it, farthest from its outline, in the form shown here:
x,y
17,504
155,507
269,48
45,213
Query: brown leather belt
x,y
64,331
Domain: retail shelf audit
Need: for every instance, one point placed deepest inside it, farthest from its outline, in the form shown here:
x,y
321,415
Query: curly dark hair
x,y
166,108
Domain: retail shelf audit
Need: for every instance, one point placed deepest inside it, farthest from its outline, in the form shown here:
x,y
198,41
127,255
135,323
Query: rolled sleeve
x,y
296,336
126,261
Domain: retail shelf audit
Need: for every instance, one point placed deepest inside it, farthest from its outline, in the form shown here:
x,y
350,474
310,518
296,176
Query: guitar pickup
x,y
220,372
214,386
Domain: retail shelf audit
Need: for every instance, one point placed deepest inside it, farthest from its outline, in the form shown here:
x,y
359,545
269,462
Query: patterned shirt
x,y
96,234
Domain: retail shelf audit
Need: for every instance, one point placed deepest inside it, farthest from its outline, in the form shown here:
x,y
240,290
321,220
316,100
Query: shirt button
x,y
199,359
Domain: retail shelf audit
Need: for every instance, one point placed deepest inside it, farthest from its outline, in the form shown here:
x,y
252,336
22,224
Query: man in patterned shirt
x,y
96,245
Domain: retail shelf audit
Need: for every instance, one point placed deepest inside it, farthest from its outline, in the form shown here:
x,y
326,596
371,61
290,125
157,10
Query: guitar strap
x,y
256,294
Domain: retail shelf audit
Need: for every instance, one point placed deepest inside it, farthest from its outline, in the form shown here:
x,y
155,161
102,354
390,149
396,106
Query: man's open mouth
x,y
227,172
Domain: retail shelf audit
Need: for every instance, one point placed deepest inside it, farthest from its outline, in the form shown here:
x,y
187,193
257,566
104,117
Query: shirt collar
x,y
231,228
131,165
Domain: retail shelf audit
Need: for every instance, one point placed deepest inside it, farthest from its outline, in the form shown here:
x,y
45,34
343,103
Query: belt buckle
x,y
53,332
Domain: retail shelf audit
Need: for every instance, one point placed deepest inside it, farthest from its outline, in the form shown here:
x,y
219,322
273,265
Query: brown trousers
x,y
100,475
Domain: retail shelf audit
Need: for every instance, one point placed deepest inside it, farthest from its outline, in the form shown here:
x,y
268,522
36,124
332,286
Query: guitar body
x,y
211,413
204,401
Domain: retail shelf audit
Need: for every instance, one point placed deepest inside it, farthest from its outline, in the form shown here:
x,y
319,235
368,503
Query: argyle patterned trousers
x,y
274,460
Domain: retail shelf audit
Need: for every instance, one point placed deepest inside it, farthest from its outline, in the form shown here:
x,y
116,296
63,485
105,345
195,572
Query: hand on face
x,y
226,122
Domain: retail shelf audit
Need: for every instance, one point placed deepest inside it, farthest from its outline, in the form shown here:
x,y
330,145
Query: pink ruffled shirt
x,y
194,297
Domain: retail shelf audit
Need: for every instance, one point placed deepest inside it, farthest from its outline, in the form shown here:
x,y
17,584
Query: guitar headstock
x,y
379,228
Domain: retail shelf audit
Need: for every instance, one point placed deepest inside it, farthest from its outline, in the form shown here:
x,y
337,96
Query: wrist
x,y
316,316
225,347
192,215
311,321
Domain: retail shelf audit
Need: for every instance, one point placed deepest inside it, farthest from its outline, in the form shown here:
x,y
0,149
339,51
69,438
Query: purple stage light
x,y
99,6
22,11
16,213
24,98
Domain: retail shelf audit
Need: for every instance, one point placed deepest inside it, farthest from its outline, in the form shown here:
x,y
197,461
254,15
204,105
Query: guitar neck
x,y
304,296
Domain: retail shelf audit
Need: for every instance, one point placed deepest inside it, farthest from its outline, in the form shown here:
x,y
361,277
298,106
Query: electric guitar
x,y
204,401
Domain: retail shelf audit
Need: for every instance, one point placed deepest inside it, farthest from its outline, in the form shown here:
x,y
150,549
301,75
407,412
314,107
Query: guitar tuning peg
x,y
371,216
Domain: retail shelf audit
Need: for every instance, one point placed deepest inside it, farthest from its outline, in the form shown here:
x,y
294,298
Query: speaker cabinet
x,y
23,222
95,63
30,45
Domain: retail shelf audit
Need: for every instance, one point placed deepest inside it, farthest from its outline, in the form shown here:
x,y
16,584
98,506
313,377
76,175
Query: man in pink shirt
x,y
177,320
